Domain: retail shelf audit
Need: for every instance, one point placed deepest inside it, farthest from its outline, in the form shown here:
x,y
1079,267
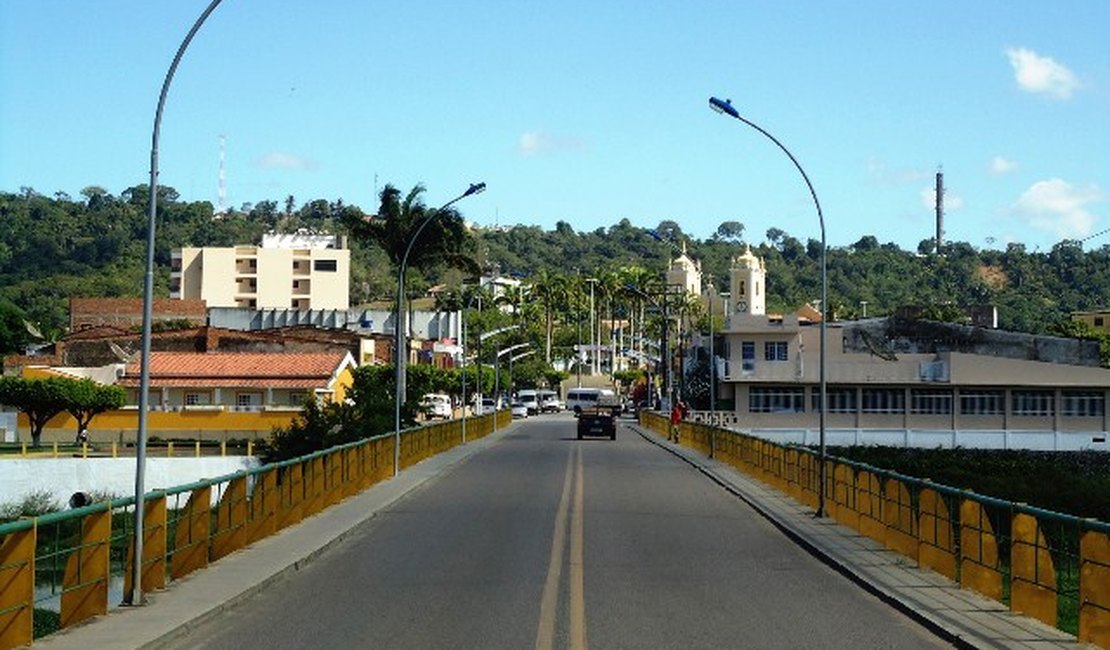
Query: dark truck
x,y
599,420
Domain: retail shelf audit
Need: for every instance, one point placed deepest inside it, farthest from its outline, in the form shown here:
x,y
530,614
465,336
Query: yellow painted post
x,y
231,519
263,507
1094,588
169,449
290,505
869,505
900,526
154,548
55,449
115,450
843,495
23,449
17,588
1032,574
190,548
978,551
250,447
85,584
936,547
84,450
196,446
223,448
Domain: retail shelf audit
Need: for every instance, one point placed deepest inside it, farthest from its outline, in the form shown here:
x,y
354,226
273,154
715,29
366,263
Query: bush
x,y
35,504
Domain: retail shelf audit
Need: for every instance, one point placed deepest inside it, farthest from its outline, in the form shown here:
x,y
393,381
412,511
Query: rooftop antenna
x,y
221,191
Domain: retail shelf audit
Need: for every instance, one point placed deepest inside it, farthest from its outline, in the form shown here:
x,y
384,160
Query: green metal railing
x,y
1051,566
61,568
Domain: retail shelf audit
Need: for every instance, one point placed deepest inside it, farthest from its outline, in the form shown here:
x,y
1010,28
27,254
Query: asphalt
x,y
957,615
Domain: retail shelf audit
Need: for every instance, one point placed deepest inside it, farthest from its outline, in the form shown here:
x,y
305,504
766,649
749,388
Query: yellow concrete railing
x,y
183,532
1053,567
170,449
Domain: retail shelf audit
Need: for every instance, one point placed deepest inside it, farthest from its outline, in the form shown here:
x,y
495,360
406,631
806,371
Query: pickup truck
x,y
597,421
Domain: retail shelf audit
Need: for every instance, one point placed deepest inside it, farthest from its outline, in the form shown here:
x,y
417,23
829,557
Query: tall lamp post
x,y
725,107
399,336
136,595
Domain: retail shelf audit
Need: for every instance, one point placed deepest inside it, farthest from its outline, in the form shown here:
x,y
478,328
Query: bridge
x,y
527,537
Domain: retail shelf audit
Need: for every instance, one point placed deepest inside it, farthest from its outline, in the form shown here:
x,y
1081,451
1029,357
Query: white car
x,y
435,405
520,410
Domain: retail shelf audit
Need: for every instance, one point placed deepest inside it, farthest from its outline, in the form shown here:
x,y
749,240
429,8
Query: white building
x,y
299,272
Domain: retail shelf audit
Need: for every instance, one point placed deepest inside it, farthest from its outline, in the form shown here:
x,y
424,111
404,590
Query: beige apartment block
x,y
286,272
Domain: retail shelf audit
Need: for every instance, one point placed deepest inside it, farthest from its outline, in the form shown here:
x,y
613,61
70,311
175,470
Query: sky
x,y
587,112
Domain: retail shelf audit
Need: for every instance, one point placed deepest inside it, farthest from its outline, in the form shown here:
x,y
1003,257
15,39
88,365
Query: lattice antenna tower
x,y
940,210
221,190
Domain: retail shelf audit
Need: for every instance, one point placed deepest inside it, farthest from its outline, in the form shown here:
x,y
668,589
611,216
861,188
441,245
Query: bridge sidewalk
x,y
958,615
191,601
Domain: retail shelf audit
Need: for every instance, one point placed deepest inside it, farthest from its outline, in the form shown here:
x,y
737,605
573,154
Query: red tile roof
x,y
274,370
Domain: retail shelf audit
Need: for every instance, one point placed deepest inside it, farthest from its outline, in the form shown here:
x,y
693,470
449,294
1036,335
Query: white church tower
x,y
748,284
685,272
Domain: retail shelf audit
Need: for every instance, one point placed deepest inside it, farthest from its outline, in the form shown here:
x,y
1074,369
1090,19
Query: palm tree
x,y
549,290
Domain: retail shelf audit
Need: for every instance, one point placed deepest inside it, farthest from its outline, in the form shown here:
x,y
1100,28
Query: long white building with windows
x,y
903,381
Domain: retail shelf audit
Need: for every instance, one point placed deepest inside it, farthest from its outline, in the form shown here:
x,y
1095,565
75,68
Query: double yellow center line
x,y
549,605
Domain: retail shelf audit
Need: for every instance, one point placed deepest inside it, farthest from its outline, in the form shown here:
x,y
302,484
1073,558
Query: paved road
x,y
547,542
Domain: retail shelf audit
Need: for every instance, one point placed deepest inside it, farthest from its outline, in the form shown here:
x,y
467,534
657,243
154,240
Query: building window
x,y
297,397
1098,321
775,350
1033,403
930,402
776,400
841,400
883,400
986,402
325,265
1084,404
747,355
197,399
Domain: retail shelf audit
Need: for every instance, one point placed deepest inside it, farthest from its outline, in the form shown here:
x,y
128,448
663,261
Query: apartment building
x,y
300,271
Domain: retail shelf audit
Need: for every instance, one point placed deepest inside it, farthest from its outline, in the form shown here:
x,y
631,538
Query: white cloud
x,y
535,143
283,160
1060,208
1000,166
1041,74
951,201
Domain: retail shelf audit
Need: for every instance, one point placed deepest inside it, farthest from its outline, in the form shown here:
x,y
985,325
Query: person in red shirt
x,y
678,412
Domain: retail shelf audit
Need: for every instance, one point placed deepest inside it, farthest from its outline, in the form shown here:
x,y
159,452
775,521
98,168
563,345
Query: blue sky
x,y
587,112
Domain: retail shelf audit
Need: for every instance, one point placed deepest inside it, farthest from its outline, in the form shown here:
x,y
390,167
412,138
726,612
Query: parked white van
x,y
580,398
530,399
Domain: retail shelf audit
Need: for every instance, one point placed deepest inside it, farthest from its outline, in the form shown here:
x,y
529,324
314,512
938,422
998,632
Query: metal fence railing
x,y
62,568
1047,565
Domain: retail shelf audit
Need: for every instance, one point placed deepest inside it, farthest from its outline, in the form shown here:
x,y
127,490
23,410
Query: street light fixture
x,y
401,351
136,595
725,106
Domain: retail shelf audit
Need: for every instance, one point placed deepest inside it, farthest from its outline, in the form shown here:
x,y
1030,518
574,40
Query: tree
x,y
38,399
730,231
13,331
85,399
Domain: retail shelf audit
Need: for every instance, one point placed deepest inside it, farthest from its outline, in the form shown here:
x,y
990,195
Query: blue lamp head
x,y
723,106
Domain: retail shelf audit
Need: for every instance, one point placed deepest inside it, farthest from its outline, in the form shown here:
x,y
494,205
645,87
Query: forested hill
x,y
52,248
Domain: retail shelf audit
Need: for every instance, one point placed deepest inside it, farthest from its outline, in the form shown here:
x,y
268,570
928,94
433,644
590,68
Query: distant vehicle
x,y
530,399
436,405
581,398
600,420
520,410
549,401
488,405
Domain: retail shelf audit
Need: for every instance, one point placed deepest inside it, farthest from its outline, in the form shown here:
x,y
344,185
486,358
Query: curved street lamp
x,y
401,351
725,106
136,595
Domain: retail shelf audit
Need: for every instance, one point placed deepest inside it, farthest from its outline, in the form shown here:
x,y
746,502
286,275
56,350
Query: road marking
x,y
577,573
545,634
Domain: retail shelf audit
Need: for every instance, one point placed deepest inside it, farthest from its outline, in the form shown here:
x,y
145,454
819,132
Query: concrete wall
x,y
61,477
